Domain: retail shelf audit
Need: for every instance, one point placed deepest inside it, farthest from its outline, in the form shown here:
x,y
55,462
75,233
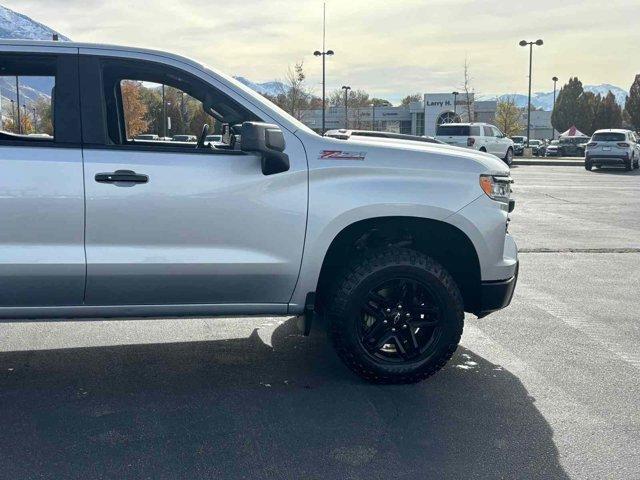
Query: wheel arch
x,y
446,243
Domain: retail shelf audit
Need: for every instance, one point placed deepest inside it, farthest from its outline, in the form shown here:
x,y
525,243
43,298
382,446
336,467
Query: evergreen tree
x,y
608,114
588,106
568,108
632,105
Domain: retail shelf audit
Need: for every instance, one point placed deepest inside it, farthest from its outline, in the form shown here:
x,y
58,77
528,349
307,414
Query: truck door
x,y
169,223
42,261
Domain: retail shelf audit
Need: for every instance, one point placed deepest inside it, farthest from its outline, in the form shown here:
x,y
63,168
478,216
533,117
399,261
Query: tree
x,y
44,118
608,113
413,97
134,108
632,104
355,98
588,107
468,92
508,117
295,96
567,109
380,102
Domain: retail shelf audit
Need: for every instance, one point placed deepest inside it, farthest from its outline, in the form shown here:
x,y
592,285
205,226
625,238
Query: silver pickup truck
x,y
390,241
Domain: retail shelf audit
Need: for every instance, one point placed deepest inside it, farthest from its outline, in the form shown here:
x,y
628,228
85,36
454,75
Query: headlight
x,y
497,188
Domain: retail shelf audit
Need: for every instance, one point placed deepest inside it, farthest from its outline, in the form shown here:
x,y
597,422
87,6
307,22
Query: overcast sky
x,y
388,47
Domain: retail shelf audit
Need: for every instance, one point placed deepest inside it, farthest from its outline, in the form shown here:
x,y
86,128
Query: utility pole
x,y
346,89
324,53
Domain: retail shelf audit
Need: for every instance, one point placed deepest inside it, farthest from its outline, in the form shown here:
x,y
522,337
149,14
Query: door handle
x,y
126,176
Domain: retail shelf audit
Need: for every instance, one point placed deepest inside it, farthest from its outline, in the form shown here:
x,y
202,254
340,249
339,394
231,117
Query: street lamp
x,y
455,96
524,43
318,53
553,130
346,89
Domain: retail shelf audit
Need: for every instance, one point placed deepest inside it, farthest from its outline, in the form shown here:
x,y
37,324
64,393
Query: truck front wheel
x,y
396,316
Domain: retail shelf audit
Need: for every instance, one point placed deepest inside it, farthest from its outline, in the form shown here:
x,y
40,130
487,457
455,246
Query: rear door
x,y
500,143
202,225
42,261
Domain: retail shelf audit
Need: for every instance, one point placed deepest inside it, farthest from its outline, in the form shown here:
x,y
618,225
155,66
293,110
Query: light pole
x,y
13,115
455,96
553,130
324,53
524,43
35,120
164,114
373,116
18,105
346,89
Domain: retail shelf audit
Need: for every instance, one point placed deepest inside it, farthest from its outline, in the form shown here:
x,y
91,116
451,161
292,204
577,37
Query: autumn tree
x,y
355,98
43,114
632,104
508,117
135,109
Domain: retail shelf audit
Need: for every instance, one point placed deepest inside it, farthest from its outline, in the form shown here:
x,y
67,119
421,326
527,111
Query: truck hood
x,y
438,153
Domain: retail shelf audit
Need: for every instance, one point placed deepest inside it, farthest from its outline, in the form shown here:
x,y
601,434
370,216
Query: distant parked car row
x,y
151,137
564,147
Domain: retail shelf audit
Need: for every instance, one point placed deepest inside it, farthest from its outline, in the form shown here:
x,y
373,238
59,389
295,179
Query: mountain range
x,y
17,26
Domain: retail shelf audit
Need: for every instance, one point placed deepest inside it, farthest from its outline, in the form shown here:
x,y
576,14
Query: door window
x,y
154,106
487,131
496,132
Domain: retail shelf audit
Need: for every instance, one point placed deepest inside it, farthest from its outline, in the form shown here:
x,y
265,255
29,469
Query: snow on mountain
x,y
18,26
544,100
266,88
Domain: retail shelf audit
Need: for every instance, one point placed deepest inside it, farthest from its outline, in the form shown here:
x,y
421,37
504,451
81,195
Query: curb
x,y
550,163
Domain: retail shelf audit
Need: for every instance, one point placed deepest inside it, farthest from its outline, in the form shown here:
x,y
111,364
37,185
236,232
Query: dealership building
x,y
421,118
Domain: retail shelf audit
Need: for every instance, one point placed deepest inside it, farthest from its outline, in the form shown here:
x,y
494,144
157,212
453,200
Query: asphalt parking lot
x,y
547,388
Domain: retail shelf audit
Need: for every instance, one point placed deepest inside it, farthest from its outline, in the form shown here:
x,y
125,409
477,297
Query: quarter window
x,y
27,93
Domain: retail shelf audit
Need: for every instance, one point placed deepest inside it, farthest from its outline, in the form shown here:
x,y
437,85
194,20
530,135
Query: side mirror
x,y
268,140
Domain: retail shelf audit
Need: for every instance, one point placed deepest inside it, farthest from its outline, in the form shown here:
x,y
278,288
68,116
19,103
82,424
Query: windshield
x,y
518,139
608,137
263,101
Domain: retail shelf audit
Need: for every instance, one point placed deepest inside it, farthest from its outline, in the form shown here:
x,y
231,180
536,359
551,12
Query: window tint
x,y
27,92
180,119
608,137
155,105
453,130
487,131
474,131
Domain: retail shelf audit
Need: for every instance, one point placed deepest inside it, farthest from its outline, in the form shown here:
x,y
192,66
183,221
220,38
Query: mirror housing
x,y
267,139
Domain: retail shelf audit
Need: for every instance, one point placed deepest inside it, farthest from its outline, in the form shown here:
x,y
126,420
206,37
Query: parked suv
x,y
613,147
479,136
391,242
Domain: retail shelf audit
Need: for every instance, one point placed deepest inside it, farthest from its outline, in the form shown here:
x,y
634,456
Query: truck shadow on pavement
x,y
241,409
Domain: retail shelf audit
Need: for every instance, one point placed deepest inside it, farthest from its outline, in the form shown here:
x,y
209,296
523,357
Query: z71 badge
x,y
341,155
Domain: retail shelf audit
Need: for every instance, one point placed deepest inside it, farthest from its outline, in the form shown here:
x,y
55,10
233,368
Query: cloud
x,y
387,48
